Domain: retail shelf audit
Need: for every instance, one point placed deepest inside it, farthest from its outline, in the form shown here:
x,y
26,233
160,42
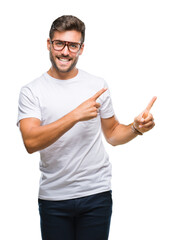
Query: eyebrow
x,y
65,41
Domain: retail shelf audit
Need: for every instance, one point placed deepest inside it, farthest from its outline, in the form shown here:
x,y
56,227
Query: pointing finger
x,y
148,108
99,93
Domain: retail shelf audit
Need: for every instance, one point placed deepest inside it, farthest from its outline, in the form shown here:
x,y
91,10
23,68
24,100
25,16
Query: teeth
x,y
64,60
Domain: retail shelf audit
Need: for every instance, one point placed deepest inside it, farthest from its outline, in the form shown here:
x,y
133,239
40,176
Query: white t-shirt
x,y
76,165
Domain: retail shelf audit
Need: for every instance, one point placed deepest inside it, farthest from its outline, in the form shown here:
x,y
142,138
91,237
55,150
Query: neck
x,y
62,75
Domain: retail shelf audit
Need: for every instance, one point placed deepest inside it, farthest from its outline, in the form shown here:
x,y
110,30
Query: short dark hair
x,y
65,23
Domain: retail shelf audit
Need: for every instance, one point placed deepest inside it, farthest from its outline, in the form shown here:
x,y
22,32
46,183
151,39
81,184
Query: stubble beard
x,y
60,69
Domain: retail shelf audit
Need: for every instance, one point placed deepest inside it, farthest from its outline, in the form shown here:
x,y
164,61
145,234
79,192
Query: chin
x,y
63,70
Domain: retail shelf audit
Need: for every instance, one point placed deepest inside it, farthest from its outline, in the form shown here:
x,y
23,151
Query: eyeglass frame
x,y
66,44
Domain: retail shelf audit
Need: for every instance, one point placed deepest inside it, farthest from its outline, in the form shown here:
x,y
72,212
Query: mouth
x,y
64,60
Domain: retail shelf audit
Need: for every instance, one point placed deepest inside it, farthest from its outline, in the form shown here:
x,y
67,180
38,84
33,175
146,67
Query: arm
x,y
37,137
116,133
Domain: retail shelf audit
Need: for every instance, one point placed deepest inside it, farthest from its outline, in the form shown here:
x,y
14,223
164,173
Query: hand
x,y
89,109
145,121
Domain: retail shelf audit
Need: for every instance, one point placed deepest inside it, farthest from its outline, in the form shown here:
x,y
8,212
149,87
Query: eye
x,y
73,45
59,43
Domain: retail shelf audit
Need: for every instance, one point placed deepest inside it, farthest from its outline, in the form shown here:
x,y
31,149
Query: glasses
x,y
60,45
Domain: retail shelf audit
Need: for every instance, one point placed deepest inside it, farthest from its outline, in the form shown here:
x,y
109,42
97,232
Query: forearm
x,y
121,134
41,137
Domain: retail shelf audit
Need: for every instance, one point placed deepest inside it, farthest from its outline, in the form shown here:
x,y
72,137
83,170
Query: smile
x,y
64,59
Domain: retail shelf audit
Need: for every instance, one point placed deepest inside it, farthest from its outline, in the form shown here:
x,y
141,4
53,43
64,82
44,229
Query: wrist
x,y
135,130
75,116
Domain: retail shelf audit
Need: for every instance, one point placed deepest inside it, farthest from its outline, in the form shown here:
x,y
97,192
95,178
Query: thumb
x,y
138,119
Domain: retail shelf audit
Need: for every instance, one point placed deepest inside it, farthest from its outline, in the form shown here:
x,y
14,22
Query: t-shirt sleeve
x,y
106,108
28,105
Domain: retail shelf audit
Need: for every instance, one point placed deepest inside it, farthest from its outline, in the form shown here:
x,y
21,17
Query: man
x,y
61,114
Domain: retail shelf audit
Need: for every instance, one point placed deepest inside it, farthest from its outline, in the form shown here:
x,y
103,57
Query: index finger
x,y
148,108
99,93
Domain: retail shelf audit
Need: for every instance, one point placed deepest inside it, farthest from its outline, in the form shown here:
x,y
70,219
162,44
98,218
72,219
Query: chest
x,y
58,101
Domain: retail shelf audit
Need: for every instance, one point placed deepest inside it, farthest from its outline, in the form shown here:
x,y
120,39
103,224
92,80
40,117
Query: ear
x,y
81,49
48,44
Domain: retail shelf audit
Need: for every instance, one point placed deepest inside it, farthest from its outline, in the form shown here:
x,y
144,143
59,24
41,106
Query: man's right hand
x,y
88,109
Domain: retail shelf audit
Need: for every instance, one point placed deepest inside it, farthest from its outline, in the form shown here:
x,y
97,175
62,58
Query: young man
x,y
61,114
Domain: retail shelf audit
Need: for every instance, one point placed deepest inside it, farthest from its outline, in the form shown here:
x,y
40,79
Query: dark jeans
x,y
86,218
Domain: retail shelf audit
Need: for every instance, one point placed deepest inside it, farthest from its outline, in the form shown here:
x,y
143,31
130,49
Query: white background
x,y
130,44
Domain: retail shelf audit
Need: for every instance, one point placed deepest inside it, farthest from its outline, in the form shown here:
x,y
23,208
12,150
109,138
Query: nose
x,y
65,50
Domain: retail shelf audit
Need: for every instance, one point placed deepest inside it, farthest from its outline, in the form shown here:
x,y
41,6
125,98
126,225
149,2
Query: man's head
x,y
65,43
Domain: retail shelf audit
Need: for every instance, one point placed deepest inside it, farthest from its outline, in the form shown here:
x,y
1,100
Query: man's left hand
x,y
145,121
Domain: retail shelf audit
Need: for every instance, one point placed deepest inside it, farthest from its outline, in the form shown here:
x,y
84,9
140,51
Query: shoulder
x,y
34,85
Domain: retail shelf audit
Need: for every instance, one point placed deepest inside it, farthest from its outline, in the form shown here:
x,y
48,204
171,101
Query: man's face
x,y
64,61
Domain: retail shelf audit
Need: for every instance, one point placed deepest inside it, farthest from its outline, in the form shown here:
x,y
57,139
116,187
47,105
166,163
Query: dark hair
x,y
65,23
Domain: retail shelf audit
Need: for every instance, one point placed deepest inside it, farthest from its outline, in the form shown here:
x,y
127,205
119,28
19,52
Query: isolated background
x,y
129,43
